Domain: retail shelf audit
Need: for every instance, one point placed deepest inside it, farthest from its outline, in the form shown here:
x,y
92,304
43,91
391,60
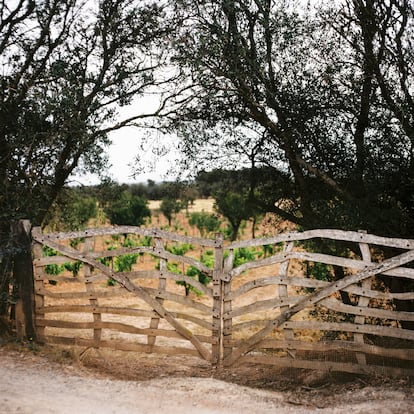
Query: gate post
x,y
23,275
217,331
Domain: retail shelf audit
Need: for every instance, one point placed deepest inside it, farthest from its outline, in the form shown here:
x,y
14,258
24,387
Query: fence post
x,y
217,300
227,306
24,278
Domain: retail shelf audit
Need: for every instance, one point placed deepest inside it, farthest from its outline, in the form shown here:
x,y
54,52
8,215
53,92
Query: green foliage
x,y
127,210
180,249
319,271
125,262
206,223
55,269
73,267
207,258
169,207
244,255
234,207
72,210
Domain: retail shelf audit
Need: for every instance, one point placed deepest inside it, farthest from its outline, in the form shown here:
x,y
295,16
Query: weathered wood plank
x,y
97,318
227,305
283,294
363,312
387,331
301,281
184,300
162,285
141,231
111,292
119,327
121,311
217,294
261,305
318,258
350,236
120,346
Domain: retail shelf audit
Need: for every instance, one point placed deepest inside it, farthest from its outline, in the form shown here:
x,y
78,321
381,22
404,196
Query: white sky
x,y
123,155
156,156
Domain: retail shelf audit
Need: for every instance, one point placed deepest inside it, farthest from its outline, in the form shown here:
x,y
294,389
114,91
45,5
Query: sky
x,y
123,154
157,158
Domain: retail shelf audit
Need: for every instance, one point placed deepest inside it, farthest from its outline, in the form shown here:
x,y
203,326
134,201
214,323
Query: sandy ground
x,y
34,382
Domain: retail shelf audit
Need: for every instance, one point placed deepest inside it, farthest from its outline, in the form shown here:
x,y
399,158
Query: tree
x,y
319,107
66,67
169,207
128,210
328,93
206,223
72,210
235,208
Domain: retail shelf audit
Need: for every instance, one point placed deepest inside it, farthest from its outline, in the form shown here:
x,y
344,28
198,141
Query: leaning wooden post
x,y
227,306
283,293
93,299
162,286
24,278
363,301
217,300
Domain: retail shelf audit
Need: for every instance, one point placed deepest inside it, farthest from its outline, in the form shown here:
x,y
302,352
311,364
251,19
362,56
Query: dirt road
x,y
32,384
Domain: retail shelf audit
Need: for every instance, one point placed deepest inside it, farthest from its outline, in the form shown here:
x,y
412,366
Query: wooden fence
x,y
288,302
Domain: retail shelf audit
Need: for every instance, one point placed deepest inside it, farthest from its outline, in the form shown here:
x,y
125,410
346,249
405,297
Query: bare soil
x,y
47,379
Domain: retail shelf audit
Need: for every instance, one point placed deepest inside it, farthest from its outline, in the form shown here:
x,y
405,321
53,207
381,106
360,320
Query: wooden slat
x,y
318,258
261,305
350,236
227,305
97,318
293,281
183,300
364,312
100,309
121,311
119,327
38,287
109,231
120,346
109,293
162,284
301,281
386,331
216,320
283,294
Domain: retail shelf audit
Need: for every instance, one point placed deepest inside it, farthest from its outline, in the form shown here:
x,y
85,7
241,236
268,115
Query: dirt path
x,y
32,383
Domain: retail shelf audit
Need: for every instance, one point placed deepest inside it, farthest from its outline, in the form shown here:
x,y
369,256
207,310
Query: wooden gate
x,y
289,302
104,305
344,314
